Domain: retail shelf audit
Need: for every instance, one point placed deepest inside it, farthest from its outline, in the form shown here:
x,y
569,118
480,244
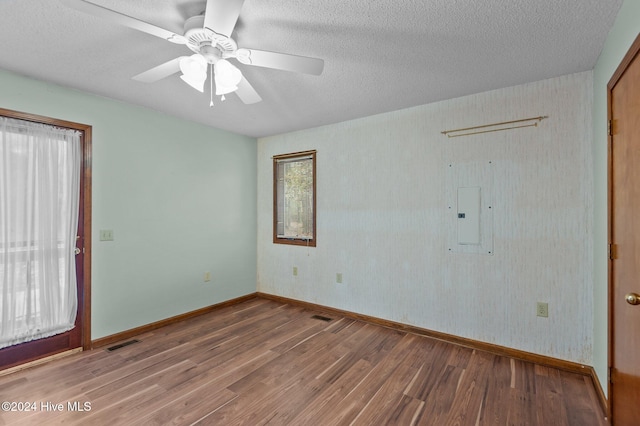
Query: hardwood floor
x,y
265,362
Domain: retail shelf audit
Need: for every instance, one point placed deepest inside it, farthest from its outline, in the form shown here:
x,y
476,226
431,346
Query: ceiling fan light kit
x,y
194,71
227,77
208,36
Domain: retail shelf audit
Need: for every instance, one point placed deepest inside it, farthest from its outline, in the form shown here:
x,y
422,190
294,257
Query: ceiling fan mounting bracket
x,y
198,38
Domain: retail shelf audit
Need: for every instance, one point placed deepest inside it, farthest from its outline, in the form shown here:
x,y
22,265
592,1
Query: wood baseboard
x,y
39,361
548,361
602,399
127,334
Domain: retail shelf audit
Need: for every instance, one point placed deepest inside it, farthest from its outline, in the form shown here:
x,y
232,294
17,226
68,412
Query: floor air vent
x,y
321,318
122,345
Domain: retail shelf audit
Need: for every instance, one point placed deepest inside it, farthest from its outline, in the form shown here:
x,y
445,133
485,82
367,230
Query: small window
x,y
294,198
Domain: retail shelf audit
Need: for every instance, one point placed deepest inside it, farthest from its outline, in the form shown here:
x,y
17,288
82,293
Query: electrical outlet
x,y
542,309
339,278
207,276
295,271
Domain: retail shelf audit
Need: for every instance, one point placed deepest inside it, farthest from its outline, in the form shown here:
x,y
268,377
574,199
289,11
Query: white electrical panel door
x,y
470,207
469,215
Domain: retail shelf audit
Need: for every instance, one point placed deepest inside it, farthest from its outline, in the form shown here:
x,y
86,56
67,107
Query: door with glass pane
x,y
43,179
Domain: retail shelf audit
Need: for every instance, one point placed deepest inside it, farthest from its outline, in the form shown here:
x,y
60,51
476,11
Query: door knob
x,y
77,251
632,298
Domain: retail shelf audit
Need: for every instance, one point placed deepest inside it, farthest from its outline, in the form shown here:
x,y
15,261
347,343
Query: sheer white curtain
x,y
39,196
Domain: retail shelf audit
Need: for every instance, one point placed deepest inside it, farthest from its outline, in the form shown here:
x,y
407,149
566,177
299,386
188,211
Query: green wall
x,y
180,198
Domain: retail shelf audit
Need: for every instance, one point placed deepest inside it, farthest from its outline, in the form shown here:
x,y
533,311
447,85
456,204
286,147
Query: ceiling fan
x,y
209,36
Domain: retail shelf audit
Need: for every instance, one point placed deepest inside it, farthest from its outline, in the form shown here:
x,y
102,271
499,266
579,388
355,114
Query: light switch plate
x,y
106,235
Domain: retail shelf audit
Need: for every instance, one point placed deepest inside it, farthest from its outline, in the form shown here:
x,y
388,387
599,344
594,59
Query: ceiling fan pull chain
x,y
211,85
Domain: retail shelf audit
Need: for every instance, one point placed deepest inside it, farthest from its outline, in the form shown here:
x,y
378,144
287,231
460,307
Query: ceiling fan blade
x,y
221,16
160,72
280,61
247,93
125,20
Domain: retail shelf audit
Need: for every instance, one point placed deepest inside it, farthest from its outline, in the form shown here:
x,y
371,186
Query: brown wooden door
x,y
624,112
79,336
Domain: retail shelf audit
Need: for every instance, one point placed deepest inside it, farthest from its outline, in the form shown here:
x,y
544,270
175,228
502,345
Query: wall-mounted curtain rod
x,y
504,123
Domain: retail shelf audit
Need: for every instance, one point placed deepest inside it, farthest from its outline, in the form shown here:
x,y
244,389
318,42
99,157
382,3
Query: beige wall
x,y
383,219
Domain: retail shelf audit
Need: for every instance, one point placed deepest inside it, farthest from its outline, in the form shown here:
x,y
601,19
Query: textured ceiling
x,y
380,55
